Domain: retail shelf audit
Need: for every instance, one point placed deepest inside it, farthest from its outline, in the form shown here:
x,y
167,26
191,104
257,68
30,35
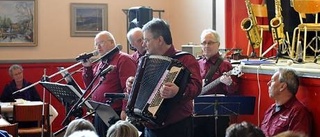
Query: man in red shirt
x,y
135,38
287,113
115,81
158,41
210,43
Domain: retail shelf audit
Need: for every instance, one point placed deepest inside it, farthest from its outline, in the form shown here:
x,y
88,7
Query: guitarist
x,y
212,61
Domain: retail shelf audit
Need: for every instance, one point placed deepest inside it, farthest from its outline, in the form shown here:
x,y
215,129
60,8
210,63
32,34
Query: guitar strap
x,y
213,69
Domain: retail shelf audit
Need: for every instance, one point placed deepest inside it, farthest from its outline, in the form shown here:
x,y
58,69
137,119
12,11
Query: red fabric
x,y
292,116
115,81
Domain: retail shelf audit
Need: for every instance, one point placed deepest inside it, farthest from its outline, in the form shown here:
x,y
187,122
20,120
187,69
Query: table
x,y
7,108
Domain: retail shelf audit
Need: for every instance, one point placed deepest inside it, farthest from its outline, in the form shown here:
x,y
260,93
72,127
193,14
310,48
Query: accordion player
x,y
145,102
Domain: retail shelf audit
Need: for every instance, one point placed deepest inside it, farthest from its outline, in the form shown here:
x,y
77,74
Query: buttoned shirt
x,y
225,66
114,82
292,116
136,56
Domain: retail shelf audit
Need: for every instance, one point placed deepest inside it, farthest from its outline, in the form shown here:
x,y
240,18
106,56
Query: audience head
x,y
135,38
210,42
84,133
285,79
244,129
122,129
104,42
157,36
290,134
16,72
79,125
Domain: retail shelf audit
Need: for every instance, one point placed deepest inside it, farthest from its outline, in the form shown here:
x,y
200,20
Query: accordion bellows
x,y
145,101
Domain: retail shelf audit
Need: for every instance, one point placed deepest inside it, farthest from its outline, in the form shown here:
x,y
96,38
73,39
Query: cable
x,y
259,94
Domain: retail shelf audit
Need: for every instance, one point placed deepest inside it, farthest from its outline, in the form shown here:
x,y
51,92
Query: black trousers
x,y
182,128
205,126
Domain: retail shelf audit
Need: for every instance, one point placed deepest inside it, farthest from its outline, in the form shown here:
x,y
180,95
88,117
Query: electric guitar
x,y
235,71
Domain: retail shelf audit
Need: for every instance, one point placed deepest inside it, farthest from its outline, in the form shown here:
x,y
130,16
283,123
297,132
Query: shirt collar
x,y
213,59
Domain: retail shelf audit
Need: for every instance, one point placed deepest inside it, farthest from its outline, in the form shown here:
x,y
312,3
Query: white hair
x,y
84,133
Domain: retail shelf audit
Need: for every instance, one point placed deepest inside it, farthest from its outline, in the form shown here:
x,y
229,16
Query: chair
x,y
260,11
12,129
32,113
306,7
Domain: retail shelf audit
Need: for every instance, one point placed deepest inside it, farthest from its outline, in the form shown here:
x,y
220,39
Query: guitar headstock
x,y
237,70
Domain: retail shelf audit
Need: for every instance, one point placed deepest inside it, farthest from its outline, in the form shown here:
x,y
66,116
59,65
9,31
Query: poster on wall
x,y
18,23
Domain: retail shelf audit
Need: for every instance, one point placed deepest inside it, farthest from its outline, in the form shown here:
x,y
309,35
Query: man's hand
x,y
169,90
226,79
129,83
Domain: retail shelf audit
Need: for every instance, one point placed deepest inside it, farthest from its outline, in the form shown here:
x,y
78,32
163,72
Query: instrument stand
x,y
278,54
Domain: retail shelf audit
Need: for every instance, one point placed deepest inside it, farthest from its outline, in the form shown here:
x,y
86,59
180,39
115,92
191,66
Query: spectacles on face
x,y
17,74
99,44
209,43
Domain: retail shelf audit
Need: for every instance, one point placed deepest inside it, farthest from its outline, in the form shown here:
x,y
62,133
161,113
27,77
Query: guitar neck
x,y
211,85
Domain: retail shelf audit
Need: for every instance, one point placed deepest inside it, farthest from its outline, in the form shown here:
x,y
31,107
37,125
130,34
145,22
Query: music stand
x,y
224,105
105,112
212,105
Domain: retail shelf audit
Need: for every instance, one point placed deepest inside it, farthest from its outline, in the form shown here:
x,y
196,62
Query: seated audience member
x,y
84,133
244,129
290,134
122,129
18,82
79,125
287,113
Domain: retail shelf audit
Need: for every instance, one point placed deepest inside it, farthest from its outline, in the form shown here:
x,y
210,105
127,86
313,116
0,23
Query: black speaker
x,y
138,16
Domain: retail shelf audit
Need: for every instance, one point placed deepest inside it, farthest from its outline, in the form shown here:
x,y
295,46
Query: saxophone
x,y
277,25
249,25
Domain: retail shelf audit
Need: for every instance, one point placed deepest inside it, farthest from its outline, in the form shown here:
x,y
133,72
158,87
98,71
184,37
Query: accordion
x,y
145,102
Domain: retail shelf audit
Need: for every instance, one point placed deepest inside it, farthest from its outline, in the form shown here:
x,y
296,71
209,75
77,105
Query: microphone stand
x,y
44,78
80,100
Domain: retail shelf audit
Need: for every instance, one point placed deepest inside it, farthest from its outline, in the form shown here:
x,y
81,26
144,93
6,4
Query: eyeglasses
x,y
16,74
209,43
99,44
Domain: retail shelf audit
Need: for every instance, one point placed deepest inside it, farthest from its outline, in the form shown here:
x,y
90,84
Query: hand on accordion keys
x,y
169,90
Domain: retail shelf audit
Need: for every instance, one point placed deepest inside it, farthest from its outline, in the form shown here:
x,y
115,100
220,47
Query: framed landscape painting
x,y
88,19
18,23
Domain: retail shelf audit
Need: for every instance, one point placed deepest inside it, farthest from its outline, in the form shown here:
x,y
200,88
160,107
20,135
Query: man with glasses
x,y
18,82
213,66
178,123
115,80
287,113
135,38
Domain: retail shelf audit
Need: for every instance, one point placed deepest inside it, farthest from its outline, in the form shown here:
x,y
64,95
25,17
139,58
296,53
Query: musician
x,y
114,81
287,113
135,38
18,82
212,61
158,41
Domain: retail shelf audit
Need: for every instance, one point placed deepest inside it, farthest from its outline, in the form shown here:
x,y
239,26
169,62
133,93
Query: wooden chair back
x,y
30,113
12,129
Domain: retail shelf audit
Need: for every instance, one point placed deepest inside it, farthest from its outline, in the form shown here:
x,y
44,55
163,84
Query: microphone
x,y
86,56
107,70
116,95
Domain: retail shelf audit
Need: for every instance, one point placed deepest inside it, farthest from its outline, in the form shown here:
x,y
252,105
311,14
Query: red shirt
x,y
184,108
136,56
115,81
225,66
292,116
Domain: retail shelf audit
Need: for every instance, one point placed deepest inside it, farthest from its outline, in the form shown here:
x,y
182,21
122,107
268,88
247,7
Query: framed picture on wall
x,y
18,23
88,19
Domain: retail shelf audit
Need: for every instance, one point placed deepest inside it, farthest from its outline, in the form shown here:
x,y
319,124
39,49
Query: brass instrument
x,y
277,27
250,26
